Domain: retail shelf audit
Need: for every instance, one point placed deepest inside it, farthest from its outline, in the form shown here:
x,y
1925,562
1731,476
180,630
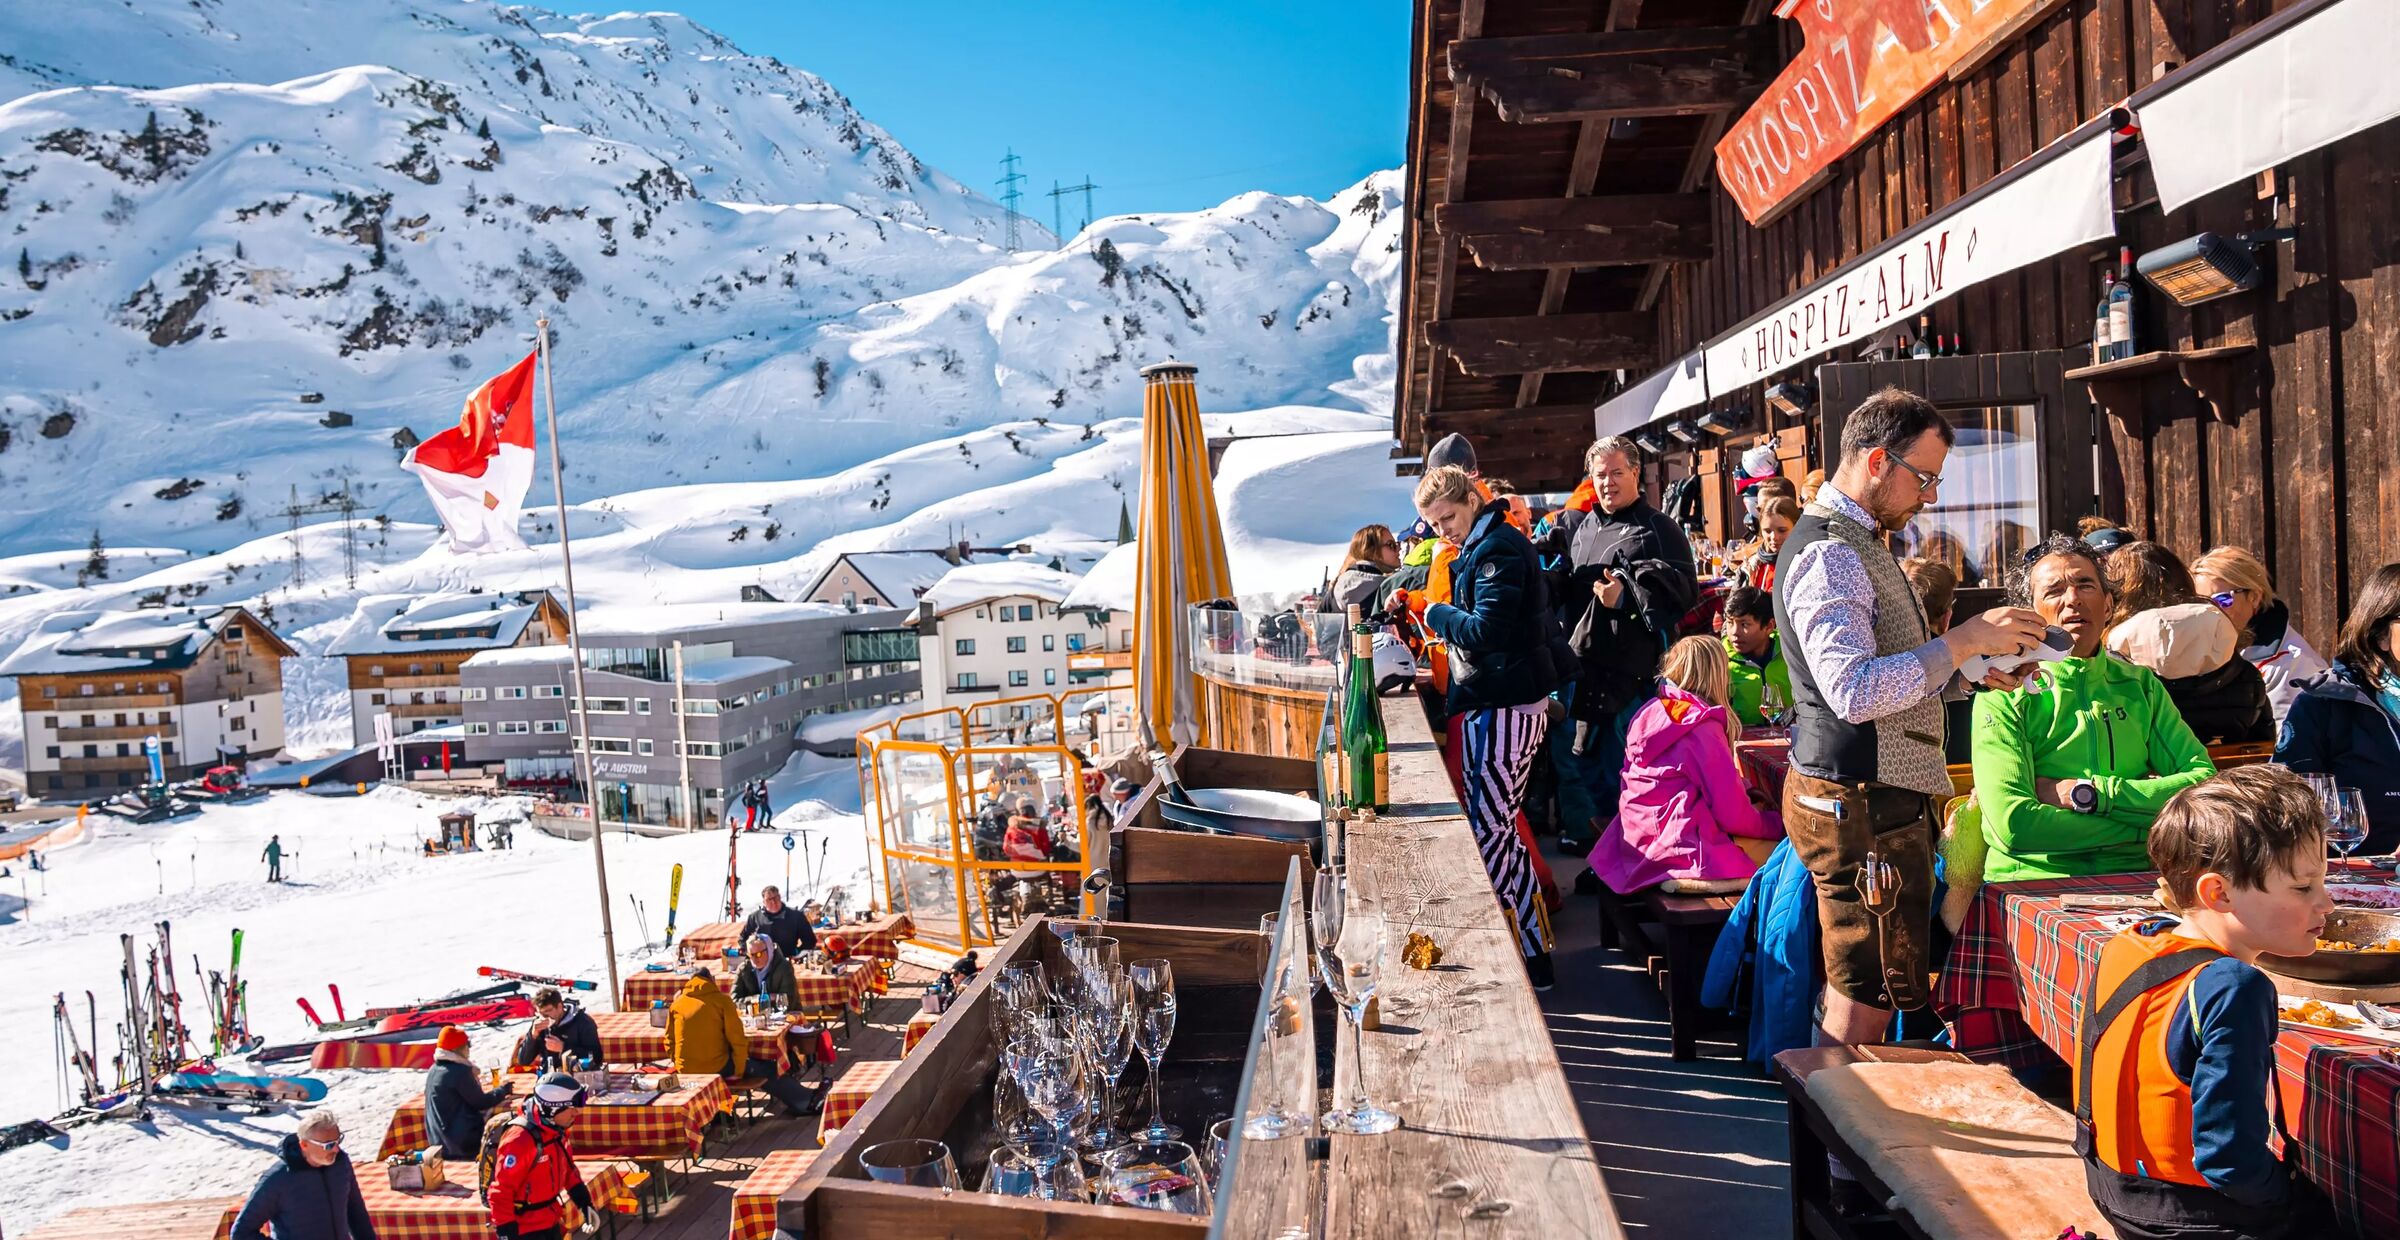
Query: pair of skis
x,y
341,1019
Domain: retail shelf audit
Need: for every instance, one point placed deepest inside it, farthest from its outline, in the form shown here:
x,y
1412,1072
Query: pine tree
x,y
25,265
483,129
96,567
152,148
1124,523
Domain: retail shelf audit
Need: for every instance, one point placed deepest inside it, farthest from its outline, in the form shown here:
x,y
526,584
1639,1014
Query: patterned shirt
x,y
1831,602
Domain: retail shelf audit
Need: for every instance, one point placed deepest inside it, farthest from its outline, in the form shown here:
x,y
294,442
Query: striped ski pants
x,y
1499,747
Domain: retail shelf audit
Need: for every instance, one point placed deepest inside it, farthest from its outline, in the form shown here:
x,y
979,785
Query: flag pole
x,y
583,733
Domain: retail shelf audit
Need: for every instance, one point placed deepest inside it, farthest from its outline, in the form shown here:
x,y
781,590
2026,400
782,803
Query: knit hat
x,y
1451,449
557,1092
451,1038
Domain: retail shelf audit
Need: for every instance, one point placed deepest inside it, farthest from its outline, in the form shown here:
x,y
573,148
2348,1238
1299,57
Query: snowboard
x,y
515,1007
563,983
279,1088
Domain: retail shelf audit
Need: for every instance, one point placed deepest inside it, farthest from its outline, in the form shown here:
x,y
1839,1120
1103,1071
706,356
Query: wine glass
x,y
1352,967
1155,1175
2346,828
1035,1169
1153,985
1212,1155
1050,1071
1108,1030
1326,903
923,1163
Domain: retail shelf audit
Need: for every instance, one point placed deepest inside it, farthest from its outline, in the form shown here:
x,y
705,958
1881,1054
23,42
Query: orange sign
x,y
1864,61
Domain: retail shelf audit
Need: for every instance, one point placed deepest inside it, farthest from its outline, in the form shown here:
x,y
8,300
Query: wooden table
x,y
879,937
755,1198
918,1026
455,1211
847,986
629,1037
668,1128
857,1084
207,1218
1491,1143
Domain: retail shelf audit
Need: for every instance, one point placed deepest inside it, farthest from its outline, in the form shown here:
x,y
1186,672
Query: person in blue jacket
x,y
1766,958
311,1193
2346,723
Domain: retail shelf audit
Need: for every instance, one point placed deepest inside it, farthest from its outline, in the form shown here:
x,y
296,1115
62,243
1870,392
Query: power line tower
x,y
341,501
1057,190
1010,196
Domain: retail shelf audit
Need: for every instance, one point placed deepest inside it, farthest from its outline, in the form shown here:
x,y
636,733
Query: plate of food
x,y
2343,1018
2357,948
2365,895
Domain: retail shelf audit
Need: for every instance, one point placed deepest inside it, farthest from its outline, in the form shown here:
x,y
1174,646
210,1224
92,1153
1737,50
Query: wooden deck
x,y
702,1208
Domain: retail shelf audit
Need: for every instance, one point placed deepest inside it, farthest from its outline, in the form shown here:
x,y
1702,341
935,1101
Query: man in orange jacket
x,y
534,1167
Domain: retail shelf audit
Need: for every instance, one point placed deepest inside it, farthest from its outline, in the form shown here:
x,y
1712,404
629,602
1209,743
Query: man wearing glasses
x,y
311,1193
1867,676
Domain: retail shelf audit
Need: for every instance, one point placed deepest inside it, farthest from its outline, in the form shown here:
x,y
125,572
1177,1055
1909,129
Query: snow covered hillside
x,y
253,245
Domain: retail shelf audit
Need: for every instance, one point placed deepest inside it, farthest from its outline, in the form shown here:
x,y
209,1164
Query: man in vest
x,y
1867,676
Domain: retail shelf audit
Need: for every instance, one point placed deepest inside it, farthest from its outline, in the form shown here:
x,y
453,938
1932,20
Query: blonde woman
x,y
2236,582
1685,812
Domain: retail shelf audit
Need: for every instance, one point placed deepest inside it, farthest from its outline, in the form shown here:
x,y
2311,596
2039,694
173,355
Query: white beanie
x,y
1759,461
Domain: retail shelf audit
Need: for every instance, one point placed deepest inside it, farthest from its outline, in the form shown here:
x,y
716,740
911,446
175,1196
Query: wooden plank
x,y
2309,530
1629,246
1190,857
1545,216
1462,1056
1515,344
1574,57
1504,420
1607,74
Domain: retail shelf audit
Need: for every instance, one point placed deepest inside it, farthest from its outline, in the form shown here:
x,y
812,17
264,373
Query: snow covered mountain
x,y
306,230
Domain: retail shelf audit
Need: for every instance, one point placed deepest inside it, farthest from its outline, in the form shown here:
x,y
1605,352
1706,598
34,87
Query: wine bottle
x,y
1924,345
1368,756
2103,349
2120,307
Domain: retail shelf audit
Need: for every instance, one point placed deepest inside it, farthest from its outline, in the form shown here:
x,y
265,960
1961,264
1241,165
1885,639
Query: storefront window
x,y
1990,506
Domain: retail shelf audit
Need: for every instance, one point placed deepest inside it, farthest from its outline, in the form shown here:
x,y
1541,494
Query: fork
x,y
2378,1015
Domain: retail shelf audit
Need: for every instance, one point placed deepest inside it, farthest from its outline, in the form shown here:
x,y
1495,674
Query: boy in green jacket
x,y
2071,768
1754,657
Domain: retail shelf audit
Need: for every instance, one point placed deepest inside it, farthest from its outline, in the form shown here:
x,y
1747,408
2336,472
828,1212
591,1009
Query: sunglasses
x,y
2223,598
334,1144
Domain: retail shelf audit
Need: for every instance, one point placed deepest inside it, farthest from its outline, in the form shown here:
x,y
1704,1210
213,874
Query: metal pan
x,y
2346,968
1247,811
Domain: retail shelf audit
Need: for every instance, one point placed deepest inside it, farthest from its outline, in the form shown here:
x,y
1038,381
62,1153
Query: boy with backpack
x,y
527,1167
2175,1091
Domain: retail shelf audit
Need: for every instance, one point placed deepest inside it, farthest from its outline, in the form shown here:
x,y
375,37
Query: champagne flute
x,y
1153,985
1273,1119
1352,967
1109,1030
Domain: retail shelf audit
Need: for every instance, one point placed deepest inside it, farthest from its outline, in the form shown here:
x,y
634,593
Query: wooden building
x,y
1642,216
403,652
95,687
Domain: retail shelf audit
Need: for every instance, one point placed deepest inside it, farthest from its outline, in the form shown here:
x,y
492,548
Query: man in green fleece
x,y
2071,768
1754,657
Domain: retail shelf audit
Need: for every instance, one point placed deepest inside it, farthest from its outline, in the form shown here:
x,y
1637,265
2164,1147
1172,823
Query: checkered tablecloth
x,y
851,1092
880,937
453,1211
918,1026
2012,992
667,1128
847,985
755,1198
629,1037
381,1055
1765,757
645,988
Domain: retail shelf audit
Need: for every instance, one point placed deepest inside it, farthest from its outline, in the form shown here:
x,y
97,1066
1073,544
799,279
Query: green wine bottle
x,y
1368,756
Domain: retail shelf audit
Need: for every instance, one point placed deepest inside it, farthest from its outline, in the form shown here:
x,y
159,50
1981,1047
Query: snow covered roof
x,y
1111,583
69,642
899,577
457,620
601,626
718,671
519,655
969,584
844,724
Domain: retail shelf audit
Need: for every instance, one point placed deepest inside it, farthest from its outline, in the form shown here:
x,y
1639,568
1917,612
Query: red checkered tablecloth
x,y
2012,991
667,1128
454,1211
848,985
755,1198
918,1026
851,1092
645,987
1765,755
880,937
629,1037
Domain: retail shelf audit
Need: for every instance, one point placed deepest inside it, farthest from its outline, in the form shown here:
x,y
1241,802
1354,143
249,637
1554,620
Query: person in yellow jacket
x,y
705,1035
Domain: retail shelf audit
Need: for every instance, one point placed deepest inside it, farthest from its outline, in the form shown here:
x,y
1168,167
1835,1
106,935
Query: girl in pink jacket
x,y
1685,809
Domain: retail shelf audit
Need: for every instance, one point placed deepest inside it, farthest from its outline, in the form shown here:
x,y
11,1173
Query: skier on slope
x,y
274,858
766,806
750,807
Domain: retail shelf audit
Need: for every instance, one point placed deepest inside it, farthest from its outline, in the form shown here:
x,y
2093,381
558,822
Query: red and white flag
x,y
477,471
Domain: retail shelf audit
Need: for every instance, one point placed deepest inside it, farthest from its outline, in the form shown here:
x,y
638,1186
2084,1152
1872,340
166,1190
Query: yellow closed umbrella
x,y
1182,554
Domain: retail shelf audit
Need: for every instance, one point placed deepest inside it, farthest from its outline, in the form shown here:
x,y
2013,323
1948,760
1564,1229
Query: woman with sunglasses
x,y
311,1193
1374,553
2346,723
2238,584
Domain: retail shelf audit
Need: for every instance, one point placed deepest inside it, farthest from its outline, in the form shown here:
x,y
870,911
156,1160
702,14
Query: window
x,y
1016,645
416,669
475,694
1991,496
699,749
512,693
550,727
168,747
849,598
1049,641
606,705
810,683
91,751
548,691
374,699
700,706
50,691
51,751
1018,679
1049,675
513,727
642,747
233,632
964,645
1074,643
966,680
51,721
239,723
609,744
641,706
374,669
983,613
85,690
479,729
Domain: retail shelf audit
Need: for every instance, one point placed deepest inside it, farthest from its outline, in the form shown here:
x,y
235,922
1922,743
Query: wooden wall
x,y
2307,471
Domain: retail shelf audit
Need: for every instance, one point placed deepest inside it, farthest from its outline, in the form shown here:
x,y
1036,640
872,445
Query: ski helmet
x,y
557,1092
1395,665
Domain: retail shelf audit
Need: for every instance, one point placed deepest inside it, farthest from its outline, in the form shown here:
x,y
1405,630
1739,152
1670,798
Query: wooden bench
x,y
1674,935
2006,1168
208,1218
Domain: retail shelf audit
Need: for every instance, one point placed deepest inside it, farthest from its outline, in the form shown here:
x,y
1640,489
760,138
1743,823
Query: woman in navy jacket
x,y
2346,723
1502,669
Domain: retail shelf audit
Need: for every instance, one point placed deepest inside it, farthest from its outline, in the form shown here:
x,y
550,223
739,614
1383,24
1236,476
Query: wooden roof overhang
x,y
1558,159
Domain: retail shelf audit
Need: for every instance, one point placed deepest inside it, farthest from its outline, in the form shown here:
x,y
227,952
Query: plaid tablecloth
x,y
918,1026
644,988
755,1198
453,1212
848,985
851,1092
1765,755
2012,992
880,937
390,1055
629,1037
667,1128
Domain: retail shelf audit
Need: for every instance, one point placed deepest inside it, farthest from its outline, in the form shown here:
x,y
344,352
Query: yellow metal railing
x,y
924,780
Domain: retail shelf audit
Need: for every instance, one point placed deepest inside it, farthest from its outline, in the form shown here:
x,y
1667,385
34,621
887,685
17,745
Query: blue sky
x,y
1168,105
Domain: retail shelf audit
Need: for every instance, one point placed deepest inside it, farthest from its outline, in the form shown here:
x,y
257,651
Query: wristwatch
x,y
2085,799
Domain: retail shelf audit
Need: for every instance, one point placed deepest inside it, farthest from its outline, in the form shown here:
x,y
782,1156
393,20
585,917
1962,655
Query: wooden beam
x,y
1566,215
1591,143
1491,347
1609,74
1697,167
1517,420
1631,247
1454,189
1549,233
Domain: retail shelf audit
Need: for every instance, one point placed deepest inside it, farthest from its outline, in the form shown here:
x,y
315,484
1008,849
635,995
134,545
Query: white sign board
x,y
386,748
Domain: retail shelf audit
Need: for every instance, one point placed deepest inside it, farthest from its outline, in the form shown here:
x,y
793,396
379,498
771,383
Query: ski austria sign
x,y
2059,201
1864,61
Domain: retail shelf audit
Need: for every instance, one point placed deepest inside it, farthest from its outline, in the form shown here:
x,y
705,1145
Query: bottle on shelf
x,y
1924,345
1958,344
2103,348
2120,307
1366,753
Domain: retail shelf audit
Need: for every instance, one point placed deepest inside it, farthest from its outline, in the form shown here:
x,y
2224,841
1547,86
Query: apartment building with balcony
x,y
707,696
991,631
403,651
93,686
874,579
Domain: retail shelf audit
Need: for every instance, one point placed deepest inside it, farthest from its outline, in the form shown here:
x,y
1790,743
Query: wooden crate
x,y
1186,878
943,1091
